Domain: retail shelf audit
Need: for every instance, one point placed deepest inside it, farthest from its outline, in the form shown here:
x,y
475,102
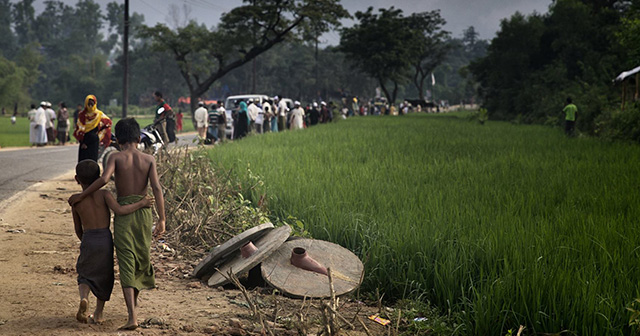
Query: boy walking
x,y
91,218
134,171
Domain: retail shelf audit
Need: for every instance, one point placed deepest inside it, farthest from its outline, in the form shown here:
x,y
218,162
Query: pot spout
x,y
248,249
300,259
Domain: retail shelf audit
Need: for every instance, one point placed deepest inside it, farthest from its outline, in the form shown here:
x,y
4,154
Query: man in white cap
x,y
51,117
40,125
253,111
314,114
200,117
296,120
281,112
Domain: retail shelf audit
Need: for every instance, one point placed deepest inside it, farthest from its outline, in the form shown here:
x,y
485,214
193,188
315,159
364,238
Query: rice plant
x,y
504,224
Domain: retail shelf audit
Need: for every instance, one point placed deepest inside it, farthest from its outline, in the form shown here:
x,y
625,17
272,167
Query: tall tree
x,y
23,15
430,43
378,45
7,38
204,56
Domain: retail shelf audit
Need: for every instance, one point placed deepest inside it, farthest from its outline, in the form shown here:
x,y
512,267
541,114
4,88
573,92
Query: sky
x,y
483,15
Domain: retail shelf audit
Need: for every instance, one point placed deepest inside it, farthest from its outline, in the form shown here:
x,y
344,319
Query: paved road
x,y
21,168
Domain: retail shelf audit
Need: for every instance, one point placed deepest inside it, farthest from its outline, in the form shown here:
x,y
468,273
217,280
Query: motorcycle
x,y
150,142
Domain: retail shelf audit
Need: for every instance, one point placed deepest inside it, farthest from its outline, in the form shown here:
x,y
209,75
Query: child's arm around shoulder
x,y
124,209
77,223
97,184
154,180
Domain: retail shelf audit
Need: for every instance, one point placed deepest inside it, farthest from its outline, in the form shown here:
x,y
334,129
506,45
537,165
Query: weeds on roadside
x,y
202,205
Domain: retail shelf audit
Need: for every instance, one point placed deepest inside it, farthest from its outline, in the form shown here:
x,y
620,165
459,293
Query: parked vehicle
x,y
231,105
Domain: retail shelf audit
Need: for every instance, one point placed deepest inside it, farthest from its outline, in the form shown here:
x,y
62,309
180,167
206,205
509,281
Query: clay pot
x,y
300,259
248,249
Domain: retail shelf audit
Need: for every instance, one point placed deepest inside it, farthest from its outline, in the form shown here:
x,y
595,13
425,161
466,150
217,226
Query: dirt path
x,y
39,296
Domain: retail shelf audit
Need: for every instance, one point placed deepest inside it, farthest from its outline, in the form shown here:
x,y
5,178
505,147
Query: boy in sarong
x,y
134,171
91,218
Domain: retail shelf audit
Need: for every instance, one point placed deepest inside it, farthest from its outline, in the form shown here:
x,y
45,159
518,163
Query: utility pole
x,y
125,56
253,88
316,82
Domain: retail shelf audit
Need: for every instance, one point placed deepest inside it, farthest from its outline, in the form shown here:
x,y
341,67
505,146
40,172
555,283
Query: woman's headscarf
x,y
90,118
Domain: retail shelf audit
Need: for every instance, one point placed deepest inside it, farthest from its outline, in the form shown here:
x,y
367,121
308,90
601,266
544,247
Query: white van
x,y
231,104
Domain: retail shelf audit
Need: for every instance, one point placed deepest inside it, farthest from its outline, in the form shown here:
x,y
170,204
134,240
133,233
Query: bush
x,y
619,125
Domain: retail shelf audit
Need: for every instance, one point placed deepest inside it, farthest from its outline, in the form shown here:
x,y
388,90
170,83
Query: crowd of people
x,y
42,124
258,115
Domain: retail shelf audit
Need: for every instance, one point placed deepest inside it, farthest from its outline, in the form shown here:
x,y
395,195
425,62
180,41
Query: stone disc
x,y
346,269
266,245
218,254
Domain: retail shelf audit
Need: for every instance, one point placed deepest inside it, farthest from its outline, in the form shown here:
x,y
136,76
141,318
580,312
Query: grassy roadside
x,y
502,224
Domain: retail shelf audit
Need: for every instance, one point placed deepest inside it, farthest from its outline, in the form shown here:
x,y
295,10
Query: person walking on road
x,y
40,125
242,124
63,124
51,117
32,125
93,128
297,117
222,123
201,117
163,110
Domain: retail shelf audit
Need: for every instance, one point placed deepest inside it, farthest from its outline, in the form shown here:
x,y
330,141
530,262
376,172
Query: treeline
x,y
68,51
575,50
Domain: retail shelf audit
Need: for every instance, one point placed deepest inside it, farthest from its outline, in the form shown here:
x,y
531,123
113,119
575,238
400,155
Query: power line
x,y
154,8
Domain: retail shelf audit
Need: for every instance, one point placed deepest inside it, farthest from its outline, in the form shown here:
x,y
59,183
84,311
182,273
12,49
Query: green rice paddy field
x,y
501,224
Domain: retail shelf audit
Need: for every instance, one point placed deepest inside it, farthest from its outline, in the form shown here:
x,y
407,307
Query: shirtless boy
x,y
134,171
91,218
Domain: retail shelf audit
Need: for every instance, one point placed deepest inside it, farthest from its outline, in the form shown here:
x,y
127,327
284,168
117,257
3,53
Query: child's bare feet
x,y
96,318
129,326
81,316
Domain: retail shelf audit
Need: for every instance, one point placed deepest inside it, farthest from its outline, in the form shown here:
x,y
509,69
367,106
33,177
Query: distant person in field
x,y
91,219
296,120
134,172
92,129
63,124
570,115
200,117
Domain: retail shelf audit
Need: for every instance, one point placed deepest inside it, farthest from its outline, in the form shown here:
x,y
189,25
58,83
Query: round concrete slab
x,y
346,269
266,245
218,254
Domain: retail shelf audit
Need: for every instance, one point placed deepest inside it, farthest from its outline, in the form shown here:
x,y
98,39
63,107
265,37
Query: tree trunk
x,y
193,105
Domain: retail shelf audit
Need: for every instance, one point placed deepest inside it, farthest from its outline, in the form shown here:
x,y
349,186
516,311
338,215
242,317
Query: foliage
x,y
380,45
503,224
429,45
575,50
202,206
204,56
14,82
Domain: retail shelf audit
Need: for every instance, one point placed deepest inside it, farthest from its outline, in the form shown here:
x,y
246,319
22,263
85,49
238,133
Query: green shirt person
x,y
570,115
